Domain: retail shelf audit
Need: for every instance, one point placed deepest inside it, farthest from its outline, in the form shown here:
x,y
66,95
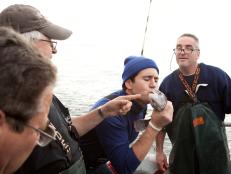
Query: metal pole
x,y
146,28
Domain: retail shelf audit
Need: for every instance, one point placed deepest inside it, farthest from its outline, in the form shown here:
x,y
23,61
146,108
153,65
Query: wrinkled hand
x,y
161,160
160,119
119,105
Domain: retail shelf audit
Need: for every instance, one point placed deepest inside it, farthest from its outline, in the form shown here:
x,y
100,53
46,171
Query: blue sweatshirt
x,y
217,93
111,139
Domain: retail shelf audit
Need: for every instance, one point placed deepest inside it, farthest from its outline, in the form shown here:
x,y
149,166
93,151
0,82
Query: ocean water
x,y
81,82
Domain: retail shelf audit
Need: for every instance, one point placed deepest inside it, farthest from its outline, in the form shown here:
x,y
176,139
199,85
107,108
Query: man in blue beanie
x,y
133,65
63,155
110,147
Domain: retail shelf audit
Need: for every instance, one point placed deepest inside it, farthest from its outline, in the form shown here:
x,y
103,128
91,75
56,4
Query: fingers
x,y
131,97
125,108
161,165
165,163
162,162
160,119
120,105
123,112
162,168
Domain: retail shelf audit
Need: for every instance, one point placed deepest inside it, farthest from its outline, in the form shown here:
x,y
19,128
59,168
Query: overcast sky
x,y
114,29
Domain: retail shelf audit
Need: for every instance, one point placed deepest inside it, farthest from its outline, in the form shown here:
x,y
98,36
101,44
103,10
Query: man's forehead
x,y
148,72
183,45
186,39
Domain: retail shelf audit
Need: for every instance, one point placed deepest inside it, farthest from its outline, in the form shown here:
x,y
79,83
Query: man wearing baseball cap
x,y
31,23
62,155
25,18
113,139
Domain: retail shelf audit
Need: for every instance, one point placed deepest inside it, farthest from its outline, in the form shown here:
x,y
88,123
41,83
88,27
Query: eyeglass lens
x,y
52,43
46,136
185,50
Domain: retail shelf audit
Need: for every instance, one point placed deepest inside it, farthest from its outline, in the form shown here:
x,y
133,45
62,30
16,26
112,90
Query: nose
x,y
54,50
182,51
153,83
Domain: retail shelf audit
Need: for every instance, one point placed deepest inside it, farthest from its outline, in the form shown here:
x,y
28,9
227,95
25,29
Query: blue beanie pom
x,y
133,65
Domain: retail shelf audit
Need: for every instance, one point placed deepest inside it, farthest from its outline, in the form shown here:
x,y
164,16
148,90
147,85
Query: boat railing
x,y
227,124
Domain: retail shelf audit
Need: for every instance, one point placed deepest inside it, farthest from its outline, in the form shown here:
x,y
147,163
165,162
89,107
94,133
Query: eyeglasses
x,y
52,43
45,136
185,50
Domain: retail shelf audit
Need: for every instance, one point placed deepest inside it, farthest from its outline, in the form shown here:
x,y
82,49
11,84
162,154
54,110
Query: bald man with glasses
x,y
201,96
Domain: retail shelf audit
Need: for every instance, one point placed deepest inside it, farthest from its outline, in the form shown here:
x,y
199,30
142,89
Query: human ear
x,y
128,84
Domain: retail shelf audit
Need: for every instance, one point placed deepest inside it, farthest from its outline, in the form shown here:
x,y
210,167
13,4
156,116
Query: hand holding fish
x,y
164,117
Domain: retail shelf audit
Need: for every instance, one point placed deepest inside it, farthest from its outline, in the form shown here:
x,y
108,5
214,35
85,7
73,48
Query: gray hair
x,y
192,36
33,35
25,75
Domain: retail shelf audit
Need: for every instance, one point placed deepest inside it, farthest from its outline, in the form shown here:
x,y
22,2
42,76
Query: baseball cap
x,y
25,18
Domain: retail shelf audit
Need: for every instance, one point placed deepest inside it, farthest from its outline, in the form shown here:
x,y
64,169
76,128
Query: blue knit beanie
x,y
134,64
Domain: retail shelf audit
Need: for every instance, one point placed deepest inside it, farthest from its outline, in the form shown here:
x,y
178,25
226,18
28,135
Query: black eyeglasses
x,y
52,43
185,50
45,136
